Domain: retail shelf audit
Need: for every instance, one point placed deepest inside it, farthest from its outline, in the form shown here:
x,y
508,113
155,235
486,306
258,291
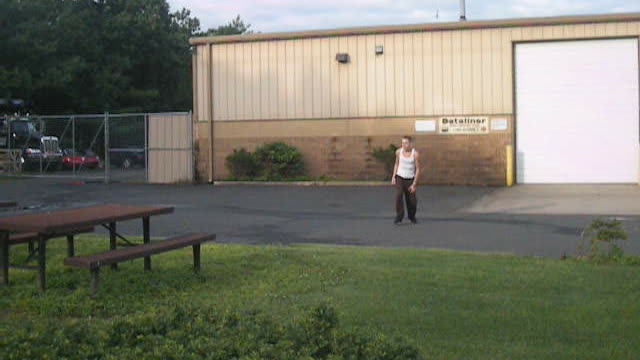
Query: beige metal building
x,y
562,92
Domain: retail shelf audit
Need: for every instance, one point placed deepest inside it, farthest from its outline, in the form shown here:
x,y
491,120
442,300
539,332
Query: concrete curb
x,y
304,183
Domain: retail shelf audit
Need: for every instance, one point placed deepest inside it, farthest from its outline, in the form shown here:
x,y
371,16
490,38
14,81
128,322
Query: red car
x,y
88,160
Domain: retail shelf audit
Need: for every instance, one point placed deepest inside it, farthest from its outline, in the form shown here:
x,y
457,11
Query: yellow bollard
x,y
509,165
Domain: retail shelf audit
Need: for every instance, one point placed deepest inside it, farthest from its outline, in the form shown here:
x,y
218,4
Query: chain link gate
x,y
102,147
126,141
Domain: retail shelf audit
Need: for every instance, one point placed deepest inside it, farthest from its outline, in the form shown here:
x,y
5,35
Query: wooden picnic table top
x,y
50,222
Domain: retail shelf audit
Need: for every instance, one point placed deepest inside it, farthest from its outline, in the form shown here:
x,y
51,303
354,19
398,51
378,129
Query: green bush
x,y
242,164
603,237
196,333
386,156
274,161
280,161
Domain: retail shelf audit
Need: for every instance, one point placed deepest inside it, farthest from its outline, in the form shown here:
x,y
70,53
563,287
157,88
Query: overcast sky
x,y
293,15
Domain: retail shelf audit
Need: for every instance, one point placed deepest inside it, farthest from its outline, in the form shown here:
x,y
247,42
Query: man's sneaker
x,y
414,221
397,222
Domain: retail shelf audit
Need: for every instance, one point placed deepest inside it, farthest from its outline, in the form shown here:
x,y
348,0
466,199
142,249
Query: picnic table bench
x,y
32,237
94,262
52,224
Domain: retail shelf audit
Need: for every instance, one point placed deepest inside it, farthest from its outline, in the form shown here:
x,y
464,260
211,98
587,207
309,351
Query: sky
x,y
294,15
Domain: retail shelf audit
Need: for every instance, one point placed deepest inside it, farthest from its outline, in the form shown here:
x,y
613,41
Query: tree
x,y
99,55
236,26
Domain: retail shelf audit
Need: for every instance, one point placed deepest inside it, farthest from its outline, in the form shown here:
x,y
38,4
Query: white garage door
x,y
577,112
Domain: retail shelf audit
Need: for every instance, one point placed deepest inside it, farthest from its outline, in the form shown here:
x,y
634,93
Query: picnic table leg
x,y
4,247
31,246
146,236
42,262
70,249
196,257
112,241
95,277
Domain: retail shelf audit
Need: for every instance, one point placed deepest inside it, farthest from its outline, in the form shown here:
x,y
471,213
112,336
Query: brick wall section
x,y
446,159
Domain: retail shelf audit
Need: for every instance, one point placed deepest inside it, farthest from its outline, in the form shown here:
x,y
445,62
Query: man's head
x,y
406,143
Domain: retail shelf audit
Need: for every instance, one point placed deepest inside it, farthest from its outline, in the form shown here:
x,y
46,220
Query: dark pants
x,y
402,189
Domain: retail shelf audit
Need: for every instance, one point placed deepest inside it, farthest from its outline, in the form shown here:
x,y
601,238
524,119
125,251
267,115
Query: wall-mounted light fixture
x,y
342,58
379,49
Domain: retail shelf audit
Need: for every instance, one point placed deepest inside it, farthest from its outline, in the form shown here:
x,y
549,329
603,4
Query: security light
x,y
342,58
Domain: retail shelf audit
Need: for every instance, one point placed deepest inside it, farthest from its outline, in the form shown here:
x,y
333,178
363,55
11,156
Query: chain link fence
x,y
103,147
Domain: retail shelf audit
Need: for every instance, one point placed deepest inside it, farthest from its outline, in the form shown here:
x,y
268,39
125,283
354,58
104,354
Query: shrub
x,y
280,161
603,237
189,332
242,164
387,157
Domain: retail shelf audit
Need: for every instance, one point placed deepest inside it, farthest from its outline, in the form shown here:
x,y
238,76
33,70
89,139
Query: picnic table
x,y
55,223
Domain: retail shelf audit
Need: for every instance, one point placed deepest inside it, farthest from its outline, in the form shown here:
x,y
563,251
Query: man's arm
x,y
417,176
395,167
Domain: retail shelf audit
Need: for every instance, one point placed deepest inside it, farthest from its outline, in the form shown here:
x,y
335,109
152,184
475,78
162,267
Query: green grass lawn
x,y
451,305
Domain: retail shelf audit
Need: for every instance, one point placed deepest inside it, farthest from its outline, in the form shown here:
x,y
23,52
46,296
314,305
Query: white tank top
x,y
407,165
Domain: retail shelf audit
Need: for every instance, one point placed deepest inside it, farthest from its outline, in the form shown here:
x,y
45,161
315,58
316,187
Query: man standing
x,y
405,179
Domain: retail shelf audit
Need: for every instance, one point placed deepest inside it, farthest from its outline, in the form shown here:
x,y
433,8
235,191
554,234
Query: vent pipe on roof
x,y
463,11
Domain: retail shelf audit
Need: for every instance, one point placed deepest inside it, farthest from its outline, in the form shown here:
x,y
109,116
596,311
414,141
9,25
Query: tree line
x,y
91,56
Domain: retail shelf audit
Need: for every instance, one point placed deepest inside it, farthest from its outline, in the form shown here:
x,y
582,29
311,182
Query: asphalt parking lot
x,y
479,219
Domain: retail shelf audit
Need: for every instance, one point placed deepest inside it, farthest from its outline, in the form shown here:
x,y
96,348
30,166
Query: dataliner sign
x,y
464,125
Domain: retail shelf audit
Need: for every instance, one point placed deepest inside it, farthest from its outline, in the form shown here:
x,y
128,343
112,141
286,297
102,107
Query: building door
x,y
577,112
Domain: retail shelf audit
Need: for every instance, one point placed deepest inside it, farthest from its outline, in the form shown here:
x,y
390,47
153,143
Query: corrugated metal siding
x,y
170,150
202,108
432,73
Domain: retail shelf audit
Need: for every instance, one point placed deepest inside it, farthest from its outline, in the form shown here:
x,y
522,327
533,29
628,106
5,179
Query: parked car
x,y
127,158
79,160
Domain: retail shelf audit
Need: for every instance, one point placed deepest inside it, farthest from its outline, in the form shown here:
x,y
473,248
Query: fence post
x,y
107,166
73,142
42,131
146,147
12,162
191,154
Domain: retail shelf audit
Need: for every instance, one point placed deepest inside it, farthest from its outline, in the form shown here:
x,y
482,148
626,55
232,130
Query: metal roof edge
x,y
458,25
